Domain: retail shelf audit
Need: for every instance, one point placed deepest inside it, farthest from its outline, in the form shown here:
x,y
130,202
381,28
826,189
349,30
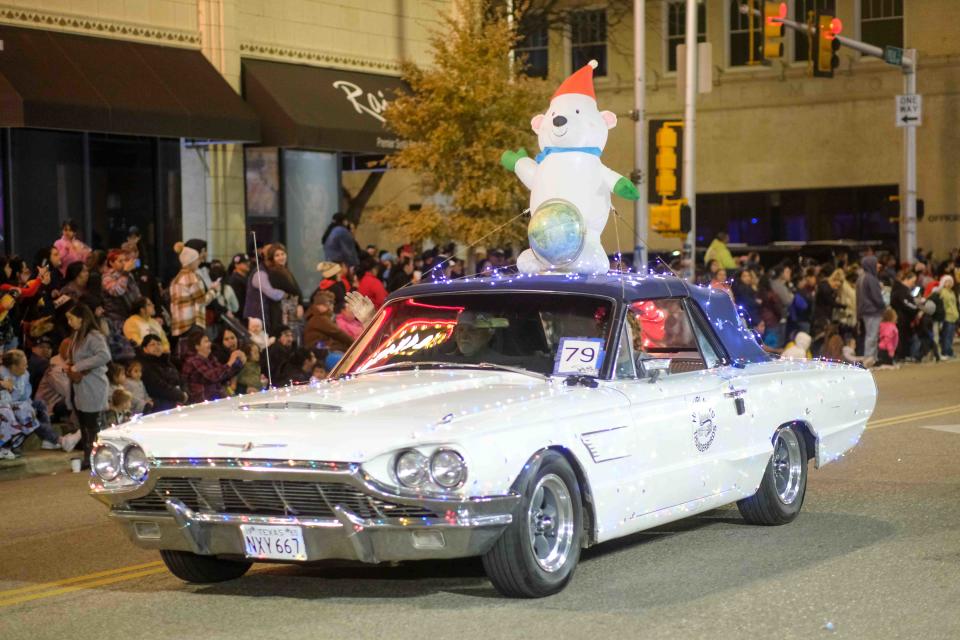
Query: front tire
x,y
198,569
538,552
784,484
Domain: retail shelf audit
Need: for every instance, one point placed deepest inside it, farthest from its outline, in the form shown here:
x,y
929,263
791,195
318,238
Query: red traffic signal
x,y
825,58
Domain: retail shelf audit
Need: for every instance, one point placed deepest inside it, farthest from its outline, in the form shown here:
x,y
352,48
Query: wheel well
x,y
808,438
586,496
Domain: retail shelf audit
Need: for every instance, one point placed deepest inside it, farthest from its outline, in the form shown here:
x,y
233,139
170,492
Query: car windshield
x,y
541,333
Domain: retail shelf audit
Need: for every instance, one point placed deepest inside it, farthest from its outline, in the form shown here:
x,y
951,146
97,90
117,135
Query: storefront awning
x,y
54,80
323,109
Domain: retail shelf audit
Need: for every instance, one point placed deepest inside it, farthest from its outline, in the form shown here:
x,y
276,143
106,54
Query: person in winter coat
x,y
259,288
825,303
334,282
846,313
321,330
903,302
719,251
160,378
338,243
799,349
120,290
141,323
288,309
948,326
189,296
87,370
889,337
69,246
369,284
870,305
745,294
204,376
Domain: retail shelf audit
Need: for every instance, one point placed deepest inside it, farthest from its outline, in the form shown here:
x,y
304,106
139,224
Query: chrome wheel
x,y
550,522
787,468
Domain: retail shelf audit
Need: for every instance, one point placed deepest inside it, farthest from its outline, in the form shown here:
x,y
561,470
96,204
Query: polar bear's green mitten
x,y
508,160
626,189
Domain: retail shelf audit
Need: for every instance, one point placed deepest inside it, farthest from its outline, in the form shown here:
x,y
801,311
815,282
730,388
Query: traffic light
x,y
773,12
671,218
666,161
825,58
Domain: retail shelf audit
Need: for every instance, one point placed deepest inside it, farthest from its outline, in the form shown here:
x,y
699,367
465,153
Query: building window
x,y
677,28
740,36
588,39
531,49
801,11
881,22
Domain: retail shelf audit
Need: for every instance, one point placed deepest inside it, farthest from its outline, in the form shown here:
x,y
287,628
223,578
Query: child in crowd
x,y
142,403
319,373
799,349
22,414
119,411
116,375
889,337
850,354
251,378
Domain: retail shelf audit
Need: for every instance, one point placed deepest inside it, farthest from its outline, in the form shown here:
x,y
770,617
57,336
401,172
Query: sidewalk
x,y
37,462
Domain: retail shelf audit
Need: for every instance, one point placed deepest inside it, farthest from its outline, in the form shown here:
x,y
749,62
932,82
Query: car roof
x,y
717,306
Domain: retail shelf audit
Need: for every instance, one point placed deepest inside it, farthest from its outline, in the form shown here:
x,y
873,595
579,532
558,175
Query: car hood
x,y
355,419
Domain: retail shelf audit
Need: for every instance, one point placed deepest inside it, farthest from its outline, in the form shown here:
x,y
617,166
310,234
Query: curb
x,y
37,463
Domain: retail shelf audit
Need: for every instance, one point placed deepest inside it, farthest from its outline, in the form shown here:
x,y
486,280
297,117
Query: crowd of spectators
x,y
870,309
90,337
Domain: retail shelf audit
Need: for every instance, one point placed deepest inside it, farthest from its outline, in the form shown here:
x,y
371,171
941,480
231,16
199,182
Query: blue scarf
x,y
596,151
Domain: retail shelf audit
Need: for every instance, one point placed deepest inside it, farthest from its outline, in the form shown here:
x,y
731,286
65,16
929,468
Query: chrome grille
x,y
271,498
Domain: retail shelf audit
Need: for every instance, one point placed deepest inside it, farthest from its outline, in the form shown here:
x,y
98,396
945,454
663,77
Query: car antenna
x,y
263,310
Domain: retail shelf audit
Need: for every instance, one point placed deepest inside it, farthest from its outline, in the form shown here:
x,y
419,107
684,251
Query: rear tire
x,y
784,484
198,569
538,552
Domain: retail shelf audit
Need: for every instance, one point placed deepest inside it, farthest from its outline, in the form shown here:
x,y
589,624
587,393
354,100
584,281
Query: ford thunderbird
x,y
517,418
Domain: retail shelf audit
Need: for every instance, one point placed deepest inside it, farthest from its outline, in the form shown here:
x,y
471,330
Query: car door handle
x,y
734,393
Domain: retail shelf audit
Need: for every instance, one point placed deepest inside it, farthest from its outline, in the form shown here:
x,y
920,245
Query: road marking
x,y
949,428
910,417
49,589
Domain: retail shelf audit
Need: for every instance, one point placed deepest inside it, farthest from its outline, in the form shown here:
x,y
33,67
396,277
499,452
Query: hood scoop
x,y
298,405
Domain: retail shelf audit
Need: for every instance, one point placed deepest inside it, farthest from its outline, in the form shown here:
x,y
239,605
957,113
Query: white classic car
x,y
517,418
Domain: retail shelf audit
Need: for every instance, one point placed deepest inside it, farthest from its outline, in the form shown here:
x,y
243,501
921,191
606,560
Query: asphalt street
x,y
874,554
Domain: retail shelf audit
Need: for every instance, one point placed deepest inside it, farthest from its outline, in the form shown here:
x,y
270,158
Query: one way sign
x,y
910,110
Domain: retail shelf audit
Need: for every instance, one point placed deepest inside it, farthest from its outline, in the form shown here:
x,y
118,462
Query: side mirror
x,y
652,368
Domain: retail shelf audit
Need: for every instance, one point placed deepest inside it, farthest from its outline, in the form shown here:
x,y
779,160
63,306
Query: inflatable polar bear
x,y
568,171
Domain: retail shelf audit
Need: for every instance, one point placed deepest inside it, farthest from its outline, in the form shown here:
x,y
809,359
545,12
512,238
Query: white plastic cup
x,y
75,464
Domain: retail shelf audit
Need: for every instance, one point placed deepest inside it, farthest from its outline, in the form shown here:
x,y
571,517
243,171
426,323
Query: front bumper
x,y
464,526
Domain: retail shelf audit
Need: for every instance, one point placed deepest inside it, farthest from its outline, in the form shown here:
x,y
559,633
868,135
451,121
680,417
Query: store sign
x,y
372,104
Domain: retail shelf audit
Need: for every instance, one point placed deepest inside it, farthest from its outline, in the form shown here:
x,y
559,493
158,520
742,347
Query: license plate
x,y
274,542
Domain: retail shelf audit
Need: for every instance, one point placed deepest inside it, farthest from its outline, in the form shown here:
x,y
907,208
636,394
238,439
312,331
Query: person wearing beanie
x,y
188,294
203,267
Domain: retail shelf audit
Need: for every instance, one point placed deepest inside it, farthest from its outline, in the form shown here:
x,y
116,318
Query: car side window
x,y
664,338
711,358
626,367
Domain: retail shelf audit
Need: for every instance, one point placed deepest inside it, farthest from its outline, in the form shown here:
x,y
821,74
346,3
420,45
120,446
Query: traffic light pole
x,y
689,139
908,64
640,222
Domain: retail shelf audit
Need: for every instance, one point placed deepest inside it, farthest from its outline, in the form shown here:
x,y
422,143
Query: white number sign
x,y
579,356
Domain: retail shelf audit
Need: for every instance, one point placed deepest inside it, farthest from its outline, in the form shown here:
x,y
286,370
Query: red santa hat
x,y
580,82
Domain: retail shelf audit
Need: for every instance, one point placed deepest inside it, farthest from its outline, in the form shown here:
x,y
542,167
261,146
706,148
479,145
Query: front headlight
x,y
412,468
106,462
135,463
447,468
